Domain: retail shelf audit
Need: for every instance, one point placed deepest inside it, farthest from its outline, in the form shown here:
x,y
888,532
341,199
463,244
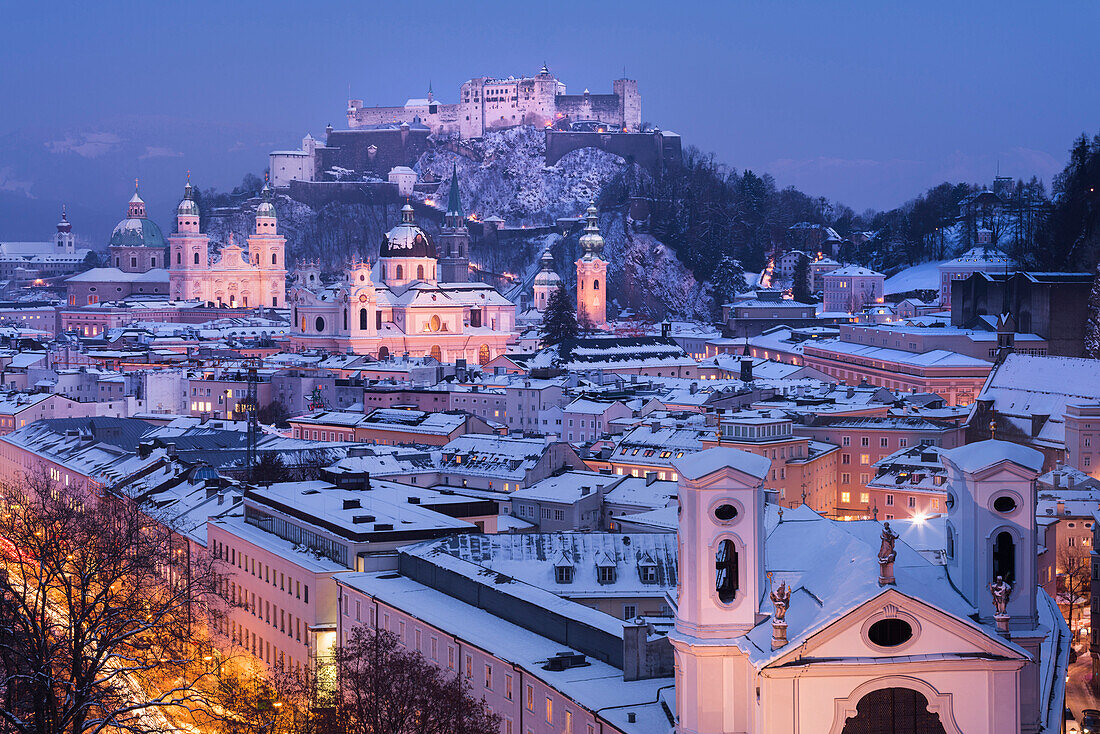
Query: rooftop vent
x,y
351,504
414,500
565,661
383,526
358,519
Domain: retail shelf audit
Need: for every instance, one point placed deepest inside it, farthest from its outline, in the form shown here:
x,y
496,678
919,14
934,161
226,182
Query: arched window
x,y
378,320
274,258
363,319
179,258
725,566
196,257
1004,557
436,353
345,320
595,285
950,542
383,352
398,273
420,272
483,354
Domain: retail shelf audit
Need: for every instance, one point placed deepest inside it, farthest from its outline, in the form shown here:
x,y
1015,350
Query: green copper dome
x,y
136,230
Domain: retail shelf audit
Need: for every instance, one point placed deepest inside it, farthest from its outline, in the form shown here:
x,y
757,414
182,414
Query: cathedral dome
x,y
406,239
136,230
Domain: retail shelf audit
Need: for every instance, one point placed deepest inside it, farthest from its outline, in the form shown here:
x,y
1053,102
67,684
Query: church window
x,y
890,632
179,258
345,320
725,513
420,272
274,259
434,323
1004,557
133,262
196,257
397,276
436,353
153,262
596,285
483,354
363,319
320,324
378,320
1004,503
725,565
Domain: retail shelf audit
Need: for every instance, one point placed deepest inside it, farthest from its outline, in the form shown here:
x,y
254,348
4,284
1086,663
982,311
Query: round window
x,y
725,512
1004,504
320,324
890,632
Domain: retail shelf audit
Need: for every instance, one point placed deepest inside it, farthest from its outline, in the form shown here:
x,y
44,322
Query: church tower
x,y
992,533
188,252
267,250
720,542
546,282
64,242
592,274
454,239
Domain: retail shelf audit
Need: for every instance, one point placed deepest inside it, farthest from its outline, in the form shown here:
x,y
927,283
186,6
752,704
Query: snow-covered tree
x,y
1092,323
800,290
728,279
559,323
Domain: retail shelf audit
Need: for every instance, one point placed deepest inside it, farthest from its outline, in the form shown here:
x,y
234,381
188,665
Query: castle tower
x,y
188,252
720,543
592,274
546,282
267,250
454,239
64,242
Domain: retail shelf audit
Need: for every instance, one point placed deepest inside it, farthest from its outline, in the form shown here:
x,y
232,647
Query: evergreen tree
x,y
728,279
559,323
801,287
1092,323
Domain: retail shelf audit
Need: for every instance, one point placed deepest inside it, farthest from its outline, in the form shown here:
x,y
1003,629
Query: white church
x,y
789,623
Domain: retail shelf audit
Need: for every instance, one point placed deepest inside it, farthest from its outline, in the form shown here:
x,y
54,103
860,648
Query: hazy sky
x,y
867,103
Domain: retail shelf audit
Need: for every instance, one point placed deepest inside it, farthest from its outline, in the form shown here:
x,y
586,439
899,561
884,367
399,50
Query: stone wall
x,y
652,151
352,149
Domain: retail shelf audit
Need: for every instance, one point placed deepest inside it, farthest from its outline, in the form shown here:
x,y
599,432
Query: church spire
x,y
454,201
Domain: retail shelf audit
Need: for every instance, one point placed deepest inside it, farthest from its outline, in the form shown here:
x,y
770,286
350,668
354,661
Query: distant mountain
x,y
93,169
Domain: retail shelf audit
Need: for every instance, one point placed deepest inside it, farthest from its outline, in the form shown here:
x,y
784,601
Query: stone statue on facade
x,y
1001,591
887,555
781,599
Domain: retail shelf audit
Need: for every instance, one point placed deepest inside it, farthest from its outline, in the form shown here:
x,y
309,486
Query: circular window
x,y
1004,504
725,512
320,324
362,298
890,632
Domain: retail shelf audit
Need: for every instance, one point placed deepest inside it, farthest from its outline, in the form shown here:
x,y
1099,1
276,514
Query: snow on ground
x,y
924,276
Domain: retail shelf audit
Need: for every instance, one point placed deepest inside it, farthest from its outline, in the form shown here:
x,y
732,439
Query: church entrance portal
x,y
893,711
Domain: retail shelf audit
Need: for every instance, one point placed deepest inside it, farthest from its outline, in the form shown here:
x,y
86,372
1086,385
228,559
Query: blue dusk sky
x,y
866,103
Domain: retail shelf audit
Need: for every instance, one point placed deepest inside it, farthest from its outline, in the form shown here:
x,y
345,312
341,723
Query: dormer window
x,y
647,572
563,574
605,574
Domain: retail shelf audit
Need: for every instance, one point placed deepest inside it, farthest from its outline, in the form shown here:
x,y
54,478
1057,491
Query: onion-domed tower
x,y
137,244
188,251
407,254
64,242
546,281
267,252
591,274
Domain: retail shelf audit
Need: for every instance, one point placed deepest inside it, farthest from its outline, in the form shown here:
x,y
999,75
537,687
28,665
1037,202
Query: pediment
x,y
935,633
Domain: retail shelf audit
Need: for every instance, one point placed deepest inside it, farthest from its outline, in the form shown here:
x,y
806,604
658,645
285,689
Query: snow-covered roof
x,y
974,457
566,488
707,462
853,270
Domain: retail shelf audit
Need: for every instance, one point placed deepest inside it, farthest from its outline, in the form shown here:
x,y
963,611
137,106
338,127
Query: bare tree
x,y
1074,579
385,687
103,611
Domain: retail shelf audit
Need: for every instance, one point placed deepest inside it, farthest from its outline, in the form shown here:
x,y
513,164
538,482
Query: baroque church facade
x,y
416,300
239,278
790,622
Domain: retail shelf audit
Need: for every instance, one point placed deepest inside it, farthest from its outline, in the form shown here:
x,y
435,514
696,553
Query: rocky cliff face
x,y
504,175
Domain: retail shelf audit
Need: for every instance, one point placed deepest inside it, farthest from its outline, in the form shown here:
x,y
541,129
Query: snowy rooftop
x,y
566,488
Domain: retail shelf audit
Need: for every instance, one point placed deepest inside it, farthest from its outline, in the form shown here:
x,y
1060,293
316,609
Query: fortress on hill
x,y
488,104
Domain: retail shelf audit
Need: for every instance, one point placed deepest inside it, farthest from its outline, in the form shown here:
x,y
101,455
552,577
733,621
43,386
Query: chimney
x,y
666,329
585,491
1061,507
1057,479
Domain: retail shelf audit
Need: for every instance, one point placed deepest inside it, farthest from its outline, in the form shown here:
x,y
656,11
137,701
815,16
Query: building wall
x,y
1083,438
